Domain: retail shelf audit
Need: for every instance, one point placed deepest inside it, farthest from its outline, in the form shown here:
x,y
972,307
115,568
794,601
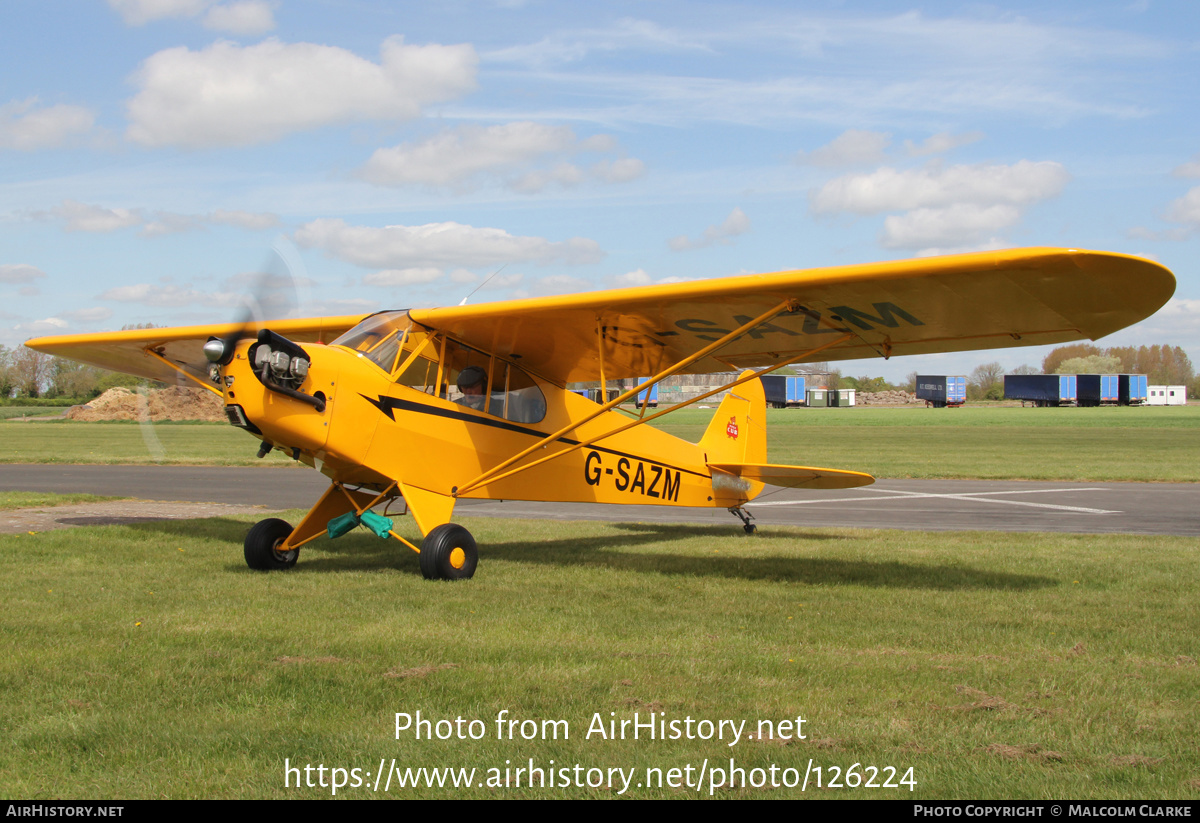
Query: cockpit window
x,y
478,381
469,377
378,338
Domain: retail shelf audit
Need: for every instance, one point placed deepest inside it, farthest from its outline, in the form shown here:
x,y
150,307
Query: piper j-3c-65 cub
x,y
436,405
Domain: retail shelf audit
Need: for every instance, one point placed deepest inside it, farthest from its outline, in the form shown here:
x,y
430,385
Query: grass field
x,y
1145,444
147,661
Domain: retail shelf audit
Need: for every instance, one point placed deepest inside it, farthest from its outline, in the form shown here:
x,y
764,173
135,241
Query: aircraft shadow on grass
x,y
361,552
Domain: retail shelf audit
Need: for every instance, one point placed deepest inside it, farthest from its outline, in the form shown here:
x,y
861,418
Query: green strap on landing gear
x,y
341,524
344,523
377,523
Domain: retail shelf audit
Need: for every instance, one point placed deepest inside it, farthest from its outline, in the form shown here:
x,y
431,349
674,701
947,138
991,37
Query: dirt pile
x,y
887,398
159,404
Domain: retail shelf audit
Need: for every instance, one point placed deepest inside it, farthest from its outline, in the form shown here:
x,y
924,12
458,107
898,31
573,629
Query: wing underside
x,y
182,347
958,303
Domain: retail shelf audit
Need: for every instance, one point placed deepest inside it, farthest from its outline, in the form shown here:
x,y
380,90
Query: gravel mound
x,y
155,404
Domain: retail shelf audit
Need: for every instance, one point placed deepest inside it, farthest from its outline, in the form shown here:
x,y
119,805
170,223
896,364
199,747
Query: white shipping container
x,y
1166,395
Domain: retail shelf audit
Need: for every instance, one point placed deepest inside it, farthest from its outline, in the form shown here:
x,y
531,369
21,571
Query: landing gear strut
x,y
745,517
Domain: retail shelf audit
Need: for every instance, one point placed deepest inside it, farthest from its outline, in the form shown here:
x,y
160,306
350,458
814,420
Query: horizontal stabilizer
x,y
795,477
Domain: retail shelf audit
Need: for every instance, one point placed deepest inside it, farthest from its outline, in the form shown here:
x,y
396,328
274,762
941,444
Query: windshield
x,y
378,338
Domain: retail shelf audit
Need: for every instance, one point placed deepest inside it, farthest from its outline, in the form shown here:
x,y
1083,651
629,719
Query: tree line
x,y
27,374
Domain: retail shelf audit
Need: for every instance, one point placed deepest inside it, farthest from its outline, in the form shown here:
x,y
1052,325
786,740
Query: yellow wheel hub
x,y
457,558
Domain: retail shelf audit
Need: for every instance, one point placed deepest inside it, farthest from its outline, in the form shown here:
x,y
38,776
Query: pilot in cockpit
x,y
472,382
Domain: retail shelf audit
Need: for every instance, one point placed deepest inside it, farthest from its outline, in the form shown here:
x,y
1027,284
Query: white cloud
x,y
941,143
559,284
245,17
351,305
1175,324
957,226
851,148
564,174
438,245
736,223
637,277
87,317
619,171
19,273
141,12
888,189
86,217
254,221
230,95
1188,169
403,277
25,128
238,17
49,325
170,296
1185,209
169,223
959,208
458,157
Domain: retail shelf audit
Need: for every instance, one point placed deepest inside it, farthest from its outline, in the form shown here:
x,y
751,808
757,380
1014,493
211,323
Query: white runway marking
x,y
983,497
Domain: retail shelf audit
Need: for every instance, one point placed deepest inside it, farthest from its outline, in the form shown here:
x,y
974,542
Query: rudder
x,y
738,431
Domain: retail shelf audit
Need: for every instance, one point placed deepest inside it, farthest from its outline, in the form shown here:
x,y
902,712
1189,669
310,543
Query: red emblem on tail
x,y
731,429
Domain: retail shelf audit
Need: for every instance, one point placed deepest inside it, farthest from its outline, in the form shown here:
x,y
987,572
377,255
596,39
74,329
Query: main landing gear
x,y
448,552
263,546
745,517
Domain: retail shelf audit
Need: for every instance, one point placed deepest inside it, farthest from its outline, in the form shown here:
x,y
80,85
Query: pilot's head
x,y
472,380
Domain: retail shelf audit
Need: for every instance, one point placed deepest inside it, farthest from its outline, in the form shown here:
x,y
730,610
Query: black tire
x,y
448,553
262,546
749,528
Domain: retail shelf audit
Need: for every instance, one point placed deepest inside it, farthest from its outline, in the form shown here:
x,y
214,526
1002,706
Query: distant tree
x,y
1052,360
1163,365
1025,369
31,371
910,382
984,379
7,385
71,379
1094,364
873,384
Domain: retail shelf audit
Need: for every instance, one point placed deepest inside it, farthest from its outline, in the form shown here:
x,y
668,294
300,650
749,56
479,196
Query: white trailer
x,y
1166,395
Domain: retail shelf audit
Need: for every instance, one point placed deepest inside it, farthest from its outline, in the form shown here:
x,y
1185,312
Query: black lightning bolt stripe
x,y
388,406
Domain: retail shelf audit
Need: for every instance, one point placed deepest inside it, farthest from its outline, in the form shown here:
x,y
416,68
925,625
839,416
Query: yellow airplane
x,y
435,405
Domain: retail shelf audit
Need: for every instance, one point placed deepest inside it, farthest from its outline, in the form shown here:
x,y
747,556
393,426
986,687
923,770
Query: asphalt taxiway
x,y
921,505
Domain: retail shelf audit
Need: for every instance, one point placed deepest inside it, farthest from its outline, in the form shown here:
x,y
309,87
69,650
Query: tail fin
x,y
738,431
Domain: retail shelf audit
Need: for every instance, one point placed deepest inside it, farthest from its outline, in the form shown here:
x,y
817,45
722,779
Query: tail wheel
x,y
448,553
263,546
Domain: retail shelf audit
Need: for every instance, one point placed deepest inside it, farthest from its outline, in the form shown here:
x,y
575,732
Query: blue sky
x,y
153,151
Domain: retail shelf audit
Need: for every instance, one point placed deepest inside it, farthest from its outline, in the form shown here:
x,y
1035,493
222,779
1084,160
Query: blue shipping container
x,y
1041,389
795,391
649,395
1134,390
940,390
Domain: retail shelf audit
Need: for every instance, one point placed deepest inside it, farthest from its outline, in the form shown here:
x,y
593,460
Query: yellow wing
x,y
975,301
1022,297
126,351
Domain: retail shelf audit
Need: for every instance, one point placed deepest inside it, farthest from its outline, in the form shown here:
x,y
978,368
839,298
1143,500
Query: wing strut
x,y
152,353
495,472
